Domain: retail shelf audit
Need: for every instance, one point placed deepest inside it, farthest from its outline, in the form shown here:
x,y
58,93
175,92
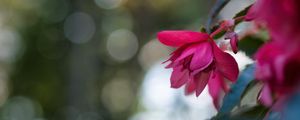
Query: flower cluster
x,y
278,61
198,61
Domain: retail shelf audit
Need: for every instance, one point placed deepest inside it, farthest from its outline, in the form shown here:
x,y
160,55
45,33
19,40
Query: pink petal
x,y
215,84
224,86
187,52
233,41
174,64
202,57
251,14
225,63
174,55
265,96
178,38
179,77
254,9
279,64
190,86
201,80
263,71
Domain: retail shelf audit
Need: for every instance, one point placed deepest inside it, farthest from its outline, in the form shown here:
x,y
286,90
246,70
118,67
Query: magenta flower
x,y
280,16
278,61
197,62
277,68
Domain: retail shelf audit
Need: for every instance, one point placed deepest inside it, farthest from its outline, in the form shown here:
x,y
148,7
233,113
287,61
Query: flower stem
x,y
219,5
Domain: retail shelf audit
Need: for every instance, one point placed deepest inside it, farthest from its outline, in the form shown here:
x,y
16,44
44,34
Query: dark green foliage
x,y
219,35
246,113
243,12
240,14
202,29
250,45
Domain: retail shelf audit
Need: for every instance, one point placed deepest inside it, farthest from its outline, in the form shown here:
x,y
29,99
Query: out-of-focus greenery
x,y
64,70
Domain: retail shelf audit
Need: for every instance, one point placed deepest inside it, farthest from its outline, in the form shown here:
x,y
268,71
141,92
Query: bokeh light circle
x,y
79,27
117,95
108,4
122,44
10,45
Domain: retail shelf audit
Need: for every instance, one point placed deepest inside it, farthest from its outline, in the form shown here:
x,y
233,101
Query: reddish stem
x,y
222,27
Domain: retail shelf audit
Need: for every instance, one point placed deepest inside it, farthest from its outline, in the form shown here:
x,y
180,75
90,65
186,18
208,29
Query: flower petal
x,y
179,77
263,71
279,64
190,86
225,63
215,84
174,55
265,96
187,52
233,41
201,80
178,38
202,57
251,14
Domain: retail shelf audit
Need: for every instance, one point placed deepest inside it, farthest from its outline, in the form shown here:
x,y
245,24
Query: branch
x,y
219,5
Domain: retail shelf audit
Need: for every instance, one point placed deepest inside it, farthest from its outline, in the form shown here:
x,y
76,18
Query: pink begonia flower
x,y
277,67
198,61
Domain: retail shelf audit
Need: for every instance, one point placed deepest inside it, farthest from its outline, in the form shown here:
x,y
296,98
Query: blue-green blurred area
x,y
85,59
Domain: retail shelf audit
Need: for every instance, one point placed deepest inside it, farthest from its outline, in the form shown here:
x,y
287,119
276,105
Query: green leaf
x,y
241,13
252,113
219,35
251,85
250,44
203,30
233,97
257,112
215,27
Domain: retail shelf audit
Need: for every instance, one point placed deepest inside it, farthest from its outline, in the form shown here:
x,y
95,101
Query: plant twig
x,y
219,5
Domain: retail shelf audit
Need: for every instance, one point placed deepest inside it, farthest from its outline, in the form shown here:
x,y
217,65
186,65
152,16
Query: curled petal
x,y
203,57
178,38
225,64
187,52
233,41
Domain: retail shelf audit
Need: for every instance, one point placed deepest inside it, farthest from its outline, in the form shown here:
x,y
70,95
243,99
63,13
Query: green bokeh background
x,y
64,80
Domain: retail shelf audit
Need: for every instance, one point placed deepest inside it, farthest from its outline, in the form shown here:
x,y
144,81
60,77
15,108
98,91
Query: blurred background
x,y
96,59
